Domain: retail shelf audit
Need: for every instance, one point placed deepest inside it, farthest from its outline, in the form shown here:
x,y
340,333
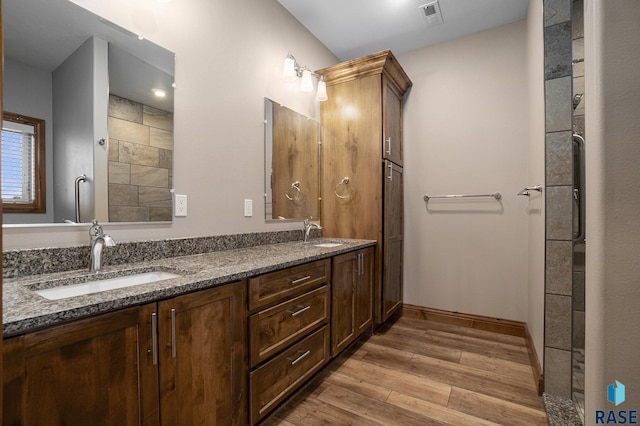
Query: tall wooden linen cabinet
x,y
362,186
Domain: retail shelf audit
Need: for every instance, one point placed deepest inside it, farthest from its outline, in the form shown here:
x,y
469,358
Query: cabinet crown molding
x,y
383,62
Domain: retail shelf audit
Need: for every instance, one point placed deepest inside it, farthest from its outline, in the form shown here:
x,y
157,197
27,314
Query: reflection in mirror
x,y
91,82
291,164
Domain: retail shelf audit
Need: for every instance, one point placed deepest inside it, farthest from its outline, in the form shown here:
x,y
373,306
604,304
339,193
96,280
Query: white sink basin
x,y
328,244
96,286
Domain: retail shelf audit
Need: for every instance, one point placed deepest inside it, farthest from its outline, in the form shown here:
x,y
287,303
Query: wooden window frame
x,y
39,202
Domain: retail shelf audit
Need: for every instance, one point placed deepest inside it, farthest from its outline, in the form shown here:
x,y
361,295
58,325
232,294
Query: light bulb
x,y
289,70
321,93
306,85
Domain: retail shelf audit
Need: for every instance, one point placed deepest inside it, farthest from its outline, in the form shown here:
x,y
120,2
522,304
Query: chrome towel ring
x,y
349,191
296,195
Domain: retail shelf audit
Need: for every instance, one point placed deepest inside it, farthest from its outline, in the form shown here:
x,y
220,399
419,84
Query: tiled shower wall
x,y
140,162
559,196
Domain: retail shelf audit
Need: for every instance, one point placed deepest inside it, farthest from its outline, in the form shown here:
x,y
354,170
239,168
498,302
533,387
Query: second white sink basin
x,y
96,286
328,244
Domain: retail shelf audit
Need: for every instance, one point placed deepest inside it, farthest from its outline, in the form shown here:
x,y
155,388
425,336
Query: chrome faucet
x,y
307,229
98,241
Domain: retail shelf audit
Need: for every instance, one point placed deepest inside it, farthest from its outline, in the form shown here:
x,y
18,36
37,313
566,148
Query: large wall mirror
x,y
108,135
291,164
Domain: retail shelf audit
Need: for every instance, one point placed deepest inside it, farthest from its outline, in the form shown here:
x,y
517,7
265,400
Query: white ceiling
x,y
353,28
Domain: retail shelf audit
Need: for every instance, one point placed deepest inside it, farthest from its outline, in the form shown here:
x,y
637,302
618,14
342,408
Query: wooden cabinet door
x,y
393,240
363,291
343,278
352,297
94,371
350,149
392,129
202,338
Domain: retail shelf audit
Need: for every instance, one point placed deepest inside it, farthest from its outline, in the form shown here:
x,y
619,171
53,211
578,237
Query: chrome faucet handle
x,y
96,232
95,229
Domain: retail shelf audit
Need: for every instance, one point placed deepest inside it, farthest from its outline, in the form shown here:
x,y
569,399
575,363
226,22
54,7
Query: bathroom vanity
x,y
237,328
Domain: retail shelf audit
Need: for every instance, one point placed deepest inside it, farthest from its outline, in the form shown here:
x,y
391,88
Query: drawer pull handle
x,y
295,361
299,280
299,311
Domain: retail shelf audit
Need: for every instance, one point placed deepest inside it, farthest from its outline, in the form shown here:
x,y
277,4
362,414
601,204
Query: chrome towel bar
x,y
495,195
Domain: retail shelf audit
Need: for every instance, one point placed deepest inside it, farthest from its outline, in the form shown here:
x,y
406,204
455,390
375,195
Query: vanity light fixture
x,y
291,71
306,85
321,93
159,93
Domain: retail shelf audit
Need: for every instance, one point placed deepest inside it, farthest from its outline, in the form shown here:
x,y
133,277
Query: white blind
x,y
18,162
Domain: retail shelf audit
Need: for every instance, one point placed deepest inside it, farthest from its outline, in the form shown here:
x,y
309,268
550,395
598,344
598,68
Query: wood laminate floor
x,y
419,372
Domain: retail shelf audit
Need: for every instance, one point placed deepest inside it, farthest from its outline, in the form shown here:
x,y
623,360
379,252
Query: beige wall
x,y
229,56
536,171
466,131
612,40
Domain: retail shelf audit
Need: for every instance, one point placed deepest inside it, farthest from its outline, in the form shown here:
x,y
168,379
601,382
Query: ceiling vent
x,y
431,13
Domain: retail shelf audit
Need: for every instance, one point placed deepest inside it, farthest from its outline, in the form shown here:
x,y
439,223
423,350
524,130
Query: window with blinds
x,y
23,189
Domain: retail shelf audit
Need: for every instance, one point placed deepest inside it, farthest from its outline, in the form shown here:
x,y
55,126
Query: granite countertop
x,y
25,311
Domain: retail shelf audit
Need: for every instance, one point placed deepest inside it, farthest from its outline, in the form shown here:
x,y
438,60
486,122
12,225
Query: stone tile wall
x,y
140,162
559,196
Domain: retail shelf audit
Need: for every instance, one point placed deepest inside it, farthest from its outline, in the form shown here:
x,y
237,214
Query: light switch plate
x,y
248,208
180,208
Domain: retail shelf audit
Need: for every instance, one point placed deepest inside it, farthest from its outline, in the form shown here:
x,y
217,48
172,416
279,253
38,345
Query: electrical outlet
x,y
248,208
180,208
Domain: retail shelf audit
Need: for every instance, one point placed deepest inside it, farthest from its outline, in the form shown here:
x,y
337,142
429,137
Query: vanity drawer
x,y
277,379
274,286
272,329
